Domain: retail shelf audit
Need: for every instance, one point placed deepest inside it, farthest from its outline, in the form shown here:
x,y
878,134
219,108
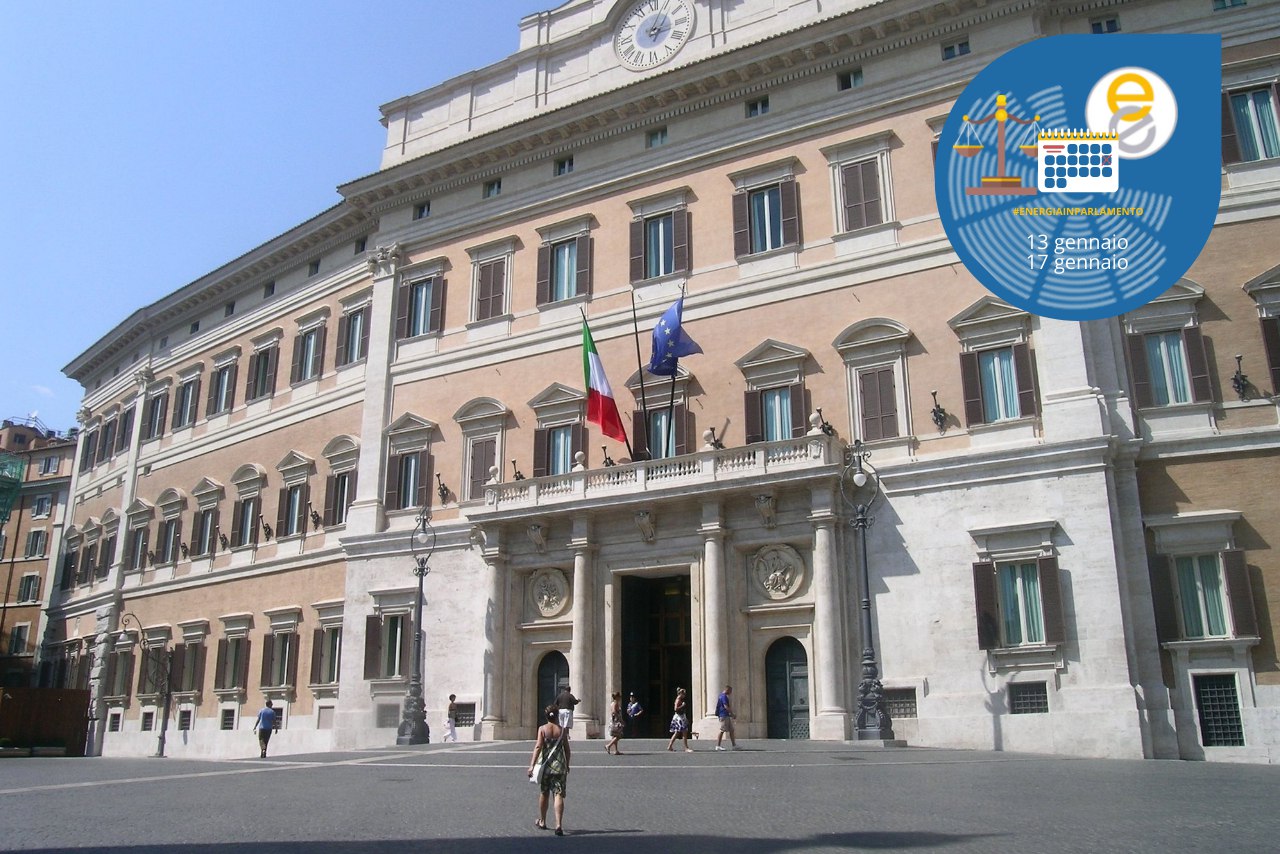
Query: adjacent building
x,y
1071,547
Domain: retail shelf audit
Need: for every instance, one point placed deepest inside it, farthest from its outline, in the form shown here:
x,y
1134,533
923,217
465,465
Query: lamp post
x,y
872,721
162,665
413,723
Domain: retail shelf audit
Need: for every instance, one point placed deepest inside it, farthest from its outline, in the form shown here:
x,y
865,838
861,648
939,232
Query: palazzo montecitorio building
x,y
1072,546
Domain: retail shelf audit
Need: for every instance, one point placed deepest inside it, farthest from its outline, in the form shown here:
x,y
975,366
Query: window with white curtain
x,y
777,413
1167,362
999,385
1021,613
1202,607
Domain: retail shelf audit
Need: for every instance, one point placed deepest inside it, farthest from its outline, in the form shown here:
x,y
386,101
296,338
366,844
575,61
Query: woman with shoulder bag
x,y
616,724
551,752
680,722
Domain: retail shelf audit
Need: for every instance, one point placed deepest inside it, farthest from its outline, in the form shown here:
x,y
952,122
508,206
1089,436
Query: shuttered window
x,y
661,245
999,384
765,218
1018,603
1249,126
863,202
353,337
491,289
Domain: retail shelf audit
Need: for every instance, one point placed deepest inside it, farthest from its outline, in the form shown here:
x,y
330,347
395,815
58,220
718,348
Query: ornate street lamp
x,y
161,666
858,475
413,722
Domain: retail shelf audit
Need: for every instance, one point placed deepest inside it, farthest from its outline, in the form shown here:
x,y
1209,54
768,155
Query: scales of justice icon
x,y
968,145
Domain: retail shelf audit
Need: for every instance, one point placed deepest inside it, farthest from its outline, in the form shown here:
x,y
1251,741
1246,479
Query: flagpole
x,y
671,406
644,409
625,439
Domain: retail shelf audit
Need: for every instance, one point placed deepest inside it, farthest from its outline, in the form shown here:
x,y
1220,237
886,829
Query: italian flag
x,y
602,409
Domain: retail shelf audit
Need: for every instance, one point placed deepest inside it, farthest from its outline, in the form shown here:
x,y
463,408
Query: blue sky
x,y
146,143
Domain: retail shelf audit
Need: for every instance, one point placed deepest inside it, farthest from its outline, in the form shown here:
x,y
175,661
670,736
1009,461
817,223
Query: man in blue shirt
x,y
724,711
265,725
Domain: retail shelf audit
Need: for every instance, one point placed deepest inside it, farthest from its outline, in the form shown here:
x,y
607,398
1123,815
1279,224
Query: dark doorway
x,y
657,651
553,677
786,669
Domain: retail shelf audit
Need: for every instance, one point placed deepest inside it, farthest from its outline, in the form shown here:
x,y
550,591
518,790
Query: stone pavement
x,y
772,797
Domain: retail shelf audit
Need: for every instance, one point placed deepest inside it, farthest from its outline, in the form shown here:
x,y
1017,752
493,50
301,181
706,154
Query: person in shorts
x,y
724,711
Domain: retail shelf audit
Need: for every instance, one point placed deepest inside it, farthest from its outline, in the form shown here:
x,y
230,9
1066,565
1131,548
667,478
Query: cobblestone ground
x,y
770,797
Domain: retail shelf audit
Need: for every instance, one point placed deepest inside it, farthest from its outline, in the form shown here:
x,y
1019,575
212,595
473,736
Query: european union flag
x,y
670,342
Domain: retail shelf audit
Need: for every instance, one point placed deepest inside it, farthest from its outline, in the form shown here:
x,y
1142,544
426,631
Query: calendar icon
x,y
1073,161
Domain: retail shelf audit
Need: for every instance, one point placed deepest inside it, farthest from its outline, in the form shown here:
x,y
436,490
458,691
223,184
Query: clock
x,y
652,32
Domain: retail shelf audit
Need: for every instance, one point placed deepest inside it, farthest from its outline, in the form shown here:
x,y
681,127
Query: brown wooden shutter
x,y
799,411
351,490
789,196
202,654
175,417
986,605
483,454
682,238
330,485
145,670
295,370
317,655
391,495
366,317
1197,364
582,278
175,548
435,320
242,678
255,520
268,650
540,438
878,396
741,224
317,359
304,507
1271,342
291,666
971,383
753,416
1162,600
1140,371
1244,617
127,681
1230,136
372,647
162,401
344,332
282,513
578,443
425,490
639,435
1025,375
177,666
236,534
406,643
403,301
220,674
249,390
637,250
273,364
1051,600
684,428
543,277
211,398
871,197
851,186
126,430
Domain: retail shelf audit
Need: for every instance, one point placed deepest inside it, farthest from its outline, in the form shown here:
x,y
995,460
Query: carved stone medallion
x,y
779,571
549,590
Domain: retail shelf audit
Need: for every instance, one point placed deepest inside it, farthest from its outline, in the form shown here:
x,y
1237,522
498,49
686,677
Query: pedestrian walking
x,y
616,724
565,701
634,711
680,722
724,711
450,721
552,751
265,725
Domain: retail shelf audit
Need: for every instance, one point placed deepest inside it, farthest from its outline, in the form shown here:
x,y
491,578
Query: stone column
x,y
581,660
495,629
367,515
830,716
715,615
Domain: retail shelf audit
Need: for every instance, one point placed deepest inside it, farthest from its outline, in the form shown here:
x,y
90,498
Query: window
x,y
222,390
138,544
268,290
1202,608
156,409
291,518
554,448
849,79
775,413
1028,698
188,667
757,106
360,245
279,659
49,465
88,559
18,639
107,440
660,245
169,540
37,541
491,289
339,492
1018,603
862,201
564,269
420,308
765,218
998,384
244,522
326,655
262,373
233,663
42,506
308,355
564,165
1249,130
229,309
492,189
119,674
227,719
422,210
394,640
662,434
185,403
655,138
113,722
464,715
484,455
184,719
353,336
106,555
900,703
1104,25
313,267
89,451
408,476
1218,707
126,431
1219,5
955,49
195,327
1169,367
877,403
205,527
29,588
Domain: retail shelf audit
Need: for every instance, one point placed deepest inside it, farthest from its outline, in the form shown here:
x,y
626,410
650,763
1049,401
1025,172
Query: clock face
x,y
653,32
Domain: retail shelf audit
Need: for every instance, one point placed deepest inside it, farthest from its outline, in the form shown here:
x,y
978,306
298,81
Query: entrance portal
x,y
786,670
553,677
656,649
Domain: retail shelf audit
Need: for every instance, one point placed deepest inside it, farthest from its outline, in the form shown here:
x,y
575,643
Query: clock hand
x,y
658,21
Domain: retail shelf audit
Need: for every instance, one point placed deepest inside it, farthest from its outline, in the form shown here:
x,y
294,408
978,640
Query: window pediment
x,y
872,339
194,631
1188,533
768,173
482,415
495,249
558,404
1173,309
249,479
171,503
575,227
990,322
139,513
668,200
342,452
1018,540
208,492
773,363
409,433
1265,290
236,625
657,390
295,468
